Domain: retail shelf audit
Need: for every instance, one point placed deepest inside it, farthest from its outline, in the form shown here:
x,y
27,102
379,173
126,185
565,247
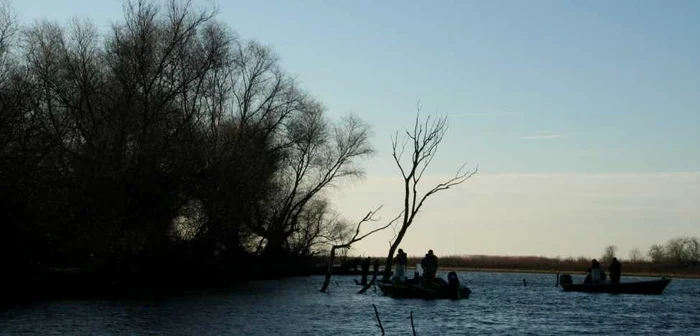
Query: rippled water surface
x,y
499,304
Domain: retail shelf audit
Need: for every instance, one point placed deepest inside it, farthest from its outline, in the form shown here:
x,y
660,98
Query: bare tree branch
x,y
354,239
425,139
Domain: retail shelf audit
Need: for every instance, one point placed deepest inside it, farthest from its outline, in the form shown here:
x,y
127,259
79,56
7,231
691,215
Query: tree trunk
x,y
390,258
329,271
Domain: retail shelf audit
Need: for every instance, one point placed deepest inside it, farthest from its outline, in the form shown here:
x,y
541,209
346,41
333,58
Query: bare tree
x,y
356,237
9,116
693,247
318,227
680,251
8,32
318,154
657,254
124,117
636,255
609,254
676,250
424,141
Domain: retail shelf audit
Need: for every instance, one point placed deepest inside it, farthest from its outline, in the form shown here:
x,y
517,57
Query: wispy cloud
x,y
486,114
541,137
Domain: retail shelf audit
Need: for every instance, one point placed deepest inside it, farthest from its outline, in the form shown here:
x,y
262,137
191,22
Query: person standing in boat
x,y
615,270
400,261
430,265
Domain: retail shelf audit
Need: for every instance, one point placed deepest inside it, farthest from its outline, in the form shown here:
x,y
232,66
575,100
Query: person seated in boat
x,y
430,265
400,261
615,270
595,273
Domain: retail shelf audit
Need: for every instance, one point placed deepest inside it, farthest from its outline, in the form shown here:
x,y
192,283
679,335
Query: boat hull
x,y
653,287
415,291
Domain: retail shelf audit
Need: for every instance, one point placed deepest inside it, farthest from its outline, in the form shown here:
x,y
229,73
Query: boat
x,y
416,288
651,287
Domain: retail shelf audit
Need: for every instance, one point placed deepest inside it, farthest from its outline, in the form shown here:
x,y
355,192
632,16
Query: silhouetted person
x,y
430,265
595,273
365,271
615,270
376,267
400,261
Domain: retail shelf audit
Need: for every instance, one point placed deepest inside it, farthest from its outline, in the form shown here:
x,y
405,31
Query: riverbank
x,y
338,270
501,270
533,264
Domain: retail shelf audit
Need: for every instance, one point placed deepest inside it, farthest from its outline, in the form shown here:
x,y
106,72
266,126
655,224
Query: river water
x,y
499,305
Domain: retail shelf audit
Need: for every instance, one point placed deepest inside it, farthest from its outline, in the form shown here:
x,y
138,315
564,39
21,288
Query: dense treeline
x,y
679,251
166,143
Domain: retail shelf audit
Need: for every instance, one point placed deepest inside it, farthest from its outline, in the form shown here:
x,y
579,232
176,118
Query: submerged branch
x,y
376,313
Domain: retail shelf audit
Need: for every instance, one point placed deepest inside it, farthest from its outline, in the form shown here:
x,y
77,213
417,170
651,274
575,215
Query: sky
x,y
582,116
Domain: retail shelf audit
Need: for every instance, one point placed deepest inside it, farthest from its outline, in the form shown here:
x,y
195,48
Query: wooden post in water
x,y
365,271
557,284
524,283
329,271
374,278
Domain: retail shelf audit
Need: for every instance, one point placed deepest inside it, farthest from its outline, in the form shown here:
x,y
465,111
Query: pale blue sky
x,y
597,101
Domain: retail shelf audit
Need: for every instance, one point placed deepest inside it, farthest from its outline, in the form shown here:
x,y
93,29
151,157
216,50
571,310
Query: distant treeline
x,y
679,256
573,265
677,251
166,148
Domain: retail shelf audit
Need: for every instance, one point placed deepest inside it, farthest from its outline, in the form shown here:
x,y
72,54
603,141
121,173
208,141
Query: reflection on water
x,y
499,304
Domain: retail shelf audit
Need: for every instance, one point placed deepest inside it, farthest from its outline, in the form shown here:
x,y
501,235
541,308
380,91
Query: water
x,y
499,305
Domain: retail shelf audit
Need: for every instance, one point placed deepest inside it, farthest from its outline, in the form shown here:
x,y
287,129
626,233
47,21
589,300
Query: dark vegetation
x,y
166,151
679,257
559,265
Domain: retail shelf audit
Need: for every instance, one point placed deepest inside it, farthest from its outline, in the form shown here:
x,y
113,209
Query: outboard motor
x,y
453,285
565,279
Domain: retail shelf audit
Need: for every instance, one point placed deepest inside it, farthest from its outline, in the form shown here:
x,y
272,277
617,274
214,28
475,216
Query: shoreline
x,y
503,270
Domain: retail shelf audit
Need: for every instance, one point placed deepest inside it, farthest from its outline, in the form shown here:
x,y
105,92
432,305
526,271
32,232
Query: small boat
x,y
652,287
430,290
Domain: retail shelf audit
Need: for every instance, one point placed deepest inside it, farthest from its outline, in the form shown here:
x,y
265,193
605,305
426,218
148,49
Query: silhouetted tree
x,y
318,227
246,131
424,141
656,253
676,251
342,242
123,124
693,247
609,254
316,154
15,154
167,139
636,255
680,251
